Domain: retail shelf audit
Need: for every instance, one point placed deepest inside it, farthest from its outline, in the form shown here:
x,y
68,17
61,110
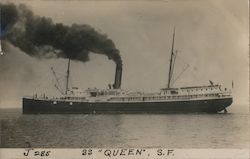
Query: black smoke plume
x,y
41,37
8,17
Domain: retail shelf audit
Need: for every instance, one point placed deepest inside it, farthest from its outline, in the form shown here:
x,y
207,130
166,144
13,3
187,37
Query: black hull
x,y
35,106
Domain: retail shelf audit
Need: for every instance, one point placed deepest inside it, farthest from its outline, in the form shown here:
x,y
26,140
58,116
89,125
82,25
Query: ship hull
x,y
36,106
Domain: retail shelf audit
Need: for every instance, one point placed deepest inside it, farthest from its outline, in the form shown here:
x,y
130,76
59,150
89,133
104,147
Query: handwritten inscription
x,y
32,152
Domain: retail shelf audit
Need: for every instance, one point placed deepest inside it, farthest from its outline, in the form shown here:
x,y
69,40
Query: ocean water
x,y
124,130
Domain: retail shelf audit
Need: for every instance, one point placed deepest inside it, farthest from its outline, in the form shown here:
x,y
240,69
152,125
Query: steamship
x,y
210,98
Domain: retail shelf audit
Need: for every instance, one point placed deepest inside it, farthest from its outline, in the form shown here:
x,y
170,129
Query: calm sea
x,y
137,130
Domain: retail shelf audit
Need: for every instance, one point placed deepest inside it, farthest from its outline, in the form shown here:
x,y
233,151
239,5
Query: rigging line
x,y
58,89
179,57
180,74
182,60
57,80
191,70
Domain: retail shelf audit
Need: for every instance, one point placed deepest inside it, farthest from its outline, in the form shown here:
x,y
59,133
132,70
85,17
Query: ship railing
x,y
44,97
71,98
167,97
36,97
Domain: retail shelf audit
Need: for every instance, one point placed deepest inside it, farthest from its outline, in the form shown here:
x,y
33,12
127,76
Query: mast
x,y
171,62
67,78
1,51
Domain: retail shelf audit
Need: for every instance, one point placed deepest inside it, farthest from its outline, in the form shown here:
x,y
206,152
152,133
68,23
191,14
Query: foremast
x,y
67,78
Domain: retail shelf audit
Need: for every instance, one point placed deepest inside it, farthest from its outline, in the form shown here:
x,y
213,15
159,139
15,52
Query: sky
x,y
211,37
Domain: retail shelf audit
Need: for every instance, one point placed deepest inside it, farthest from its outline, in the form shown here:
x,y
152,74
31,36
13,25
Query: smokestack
x,y
118,76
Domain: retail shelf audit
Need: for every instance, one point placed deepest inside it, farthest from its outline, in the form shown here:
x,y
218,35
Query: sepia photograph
x,y
124,74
